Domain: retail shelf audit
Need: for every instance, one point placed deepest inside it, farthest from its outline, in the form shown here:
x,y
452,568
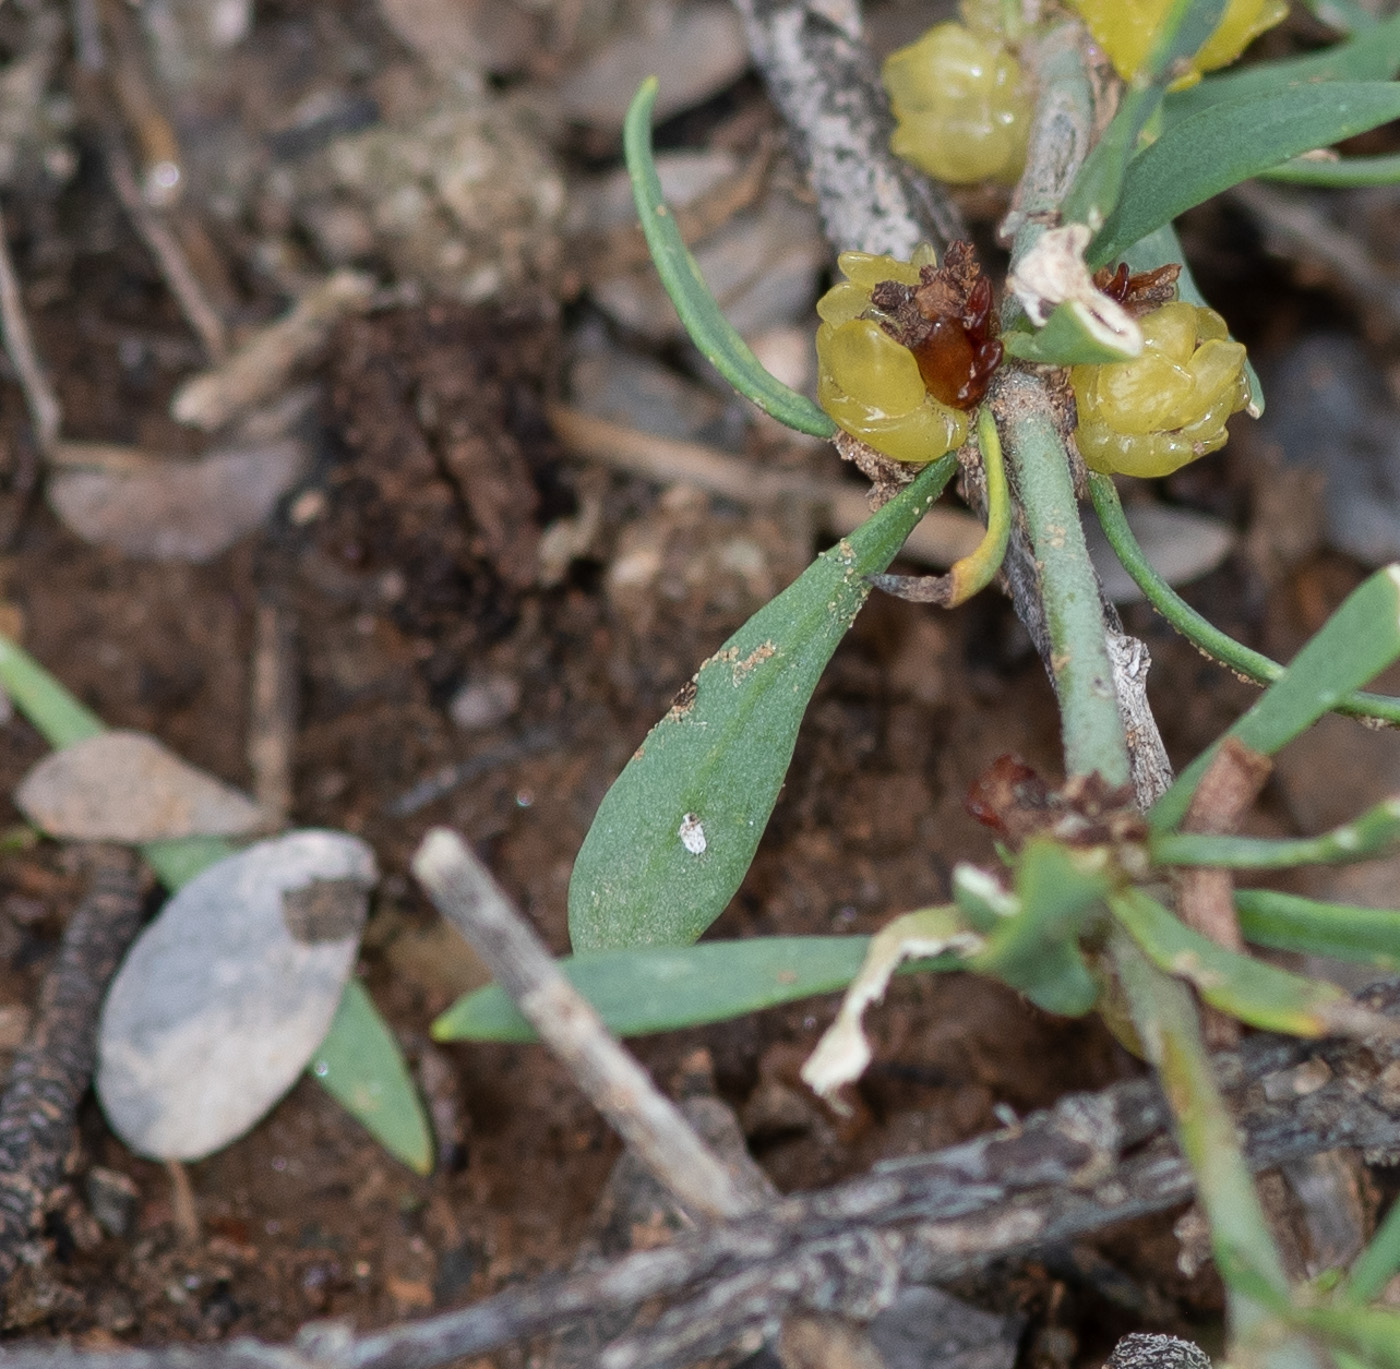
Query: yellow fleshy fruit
x,y
1126,29
961,108
1152,415
866,381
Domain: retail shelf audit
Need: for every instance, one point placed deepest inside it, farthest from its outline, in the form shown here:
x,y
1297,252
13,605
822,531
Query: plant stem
x,y
1093,734
1169,1028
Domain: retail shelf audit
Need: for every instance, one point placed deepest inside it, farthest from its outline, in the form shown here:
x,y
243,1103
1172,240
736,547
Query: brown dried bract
x,y
1142,293
1013,800
950,325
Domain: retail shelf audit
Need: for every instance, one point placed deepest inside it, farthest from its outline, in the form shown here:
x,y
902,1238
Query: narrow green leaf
x,y
1169,1028
1355,644
1097,187
710,331
1376,1265
1338,175
1375,832
47,705
1372,1333
1199,631
1162,246
1064,341
1289,922
1371,56
376,1072
360,1065
677,831
662,988
1225,144
1036,949
1258,994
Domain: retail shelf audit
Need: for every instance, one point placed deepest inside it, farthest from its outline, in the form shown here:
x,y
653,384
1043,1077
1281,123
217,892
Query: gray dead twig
x,y
39,396
822,77
466,895
54,1065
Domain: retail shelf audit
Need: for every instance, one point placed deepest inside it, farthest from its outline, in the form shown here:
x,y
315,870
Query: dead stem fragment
x,y
465,894
54,1065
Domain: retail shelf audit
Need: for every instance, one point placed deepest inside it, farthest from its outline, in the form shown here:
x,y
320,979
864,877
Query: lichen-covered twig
x,y
54,1065
825,82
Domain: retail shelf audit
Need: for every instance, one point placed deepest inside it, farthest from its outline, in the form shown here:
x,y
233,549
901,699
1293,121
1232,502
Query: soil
x,y
407,562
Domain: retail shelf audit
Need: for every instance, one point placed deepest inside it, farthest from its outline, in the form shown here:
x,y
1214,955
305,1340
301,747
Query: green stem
x,y
1372,834
1219,646
1169,1028
1092,729
1377,1263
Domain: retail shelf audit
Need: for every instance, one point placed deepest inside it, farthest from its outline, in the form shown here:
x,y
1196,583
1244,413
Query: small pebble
x,y
483,703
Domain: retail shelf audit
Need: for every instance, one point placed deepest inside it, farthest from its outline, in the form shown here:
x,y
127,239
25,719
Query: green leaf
x,y
677,831
662,988
1289,922
1218,645
47,705
1064,341
360,1065
1374,833
1377,1264
1356,643
1162,246
1339,174
710,331
1225,144
1372,1333
1168,1026
1256,993
1036,949
1372,56
1098,185
378,1072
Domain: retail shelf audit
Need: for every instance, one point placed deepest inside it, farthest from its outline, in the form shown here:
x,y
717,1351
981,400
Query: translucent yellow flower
x,y
866,381
961,108
1152,415
1126,30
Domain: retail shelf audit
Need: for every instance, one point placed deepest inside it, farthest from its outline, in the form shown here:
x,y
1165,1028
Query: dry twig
x,y
44,411
822,77
54,1066
942,536
465,894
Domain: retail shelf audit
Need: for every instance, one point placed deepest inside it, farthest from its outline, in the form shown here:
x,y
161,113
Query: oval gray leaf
x,y
225,997
128,787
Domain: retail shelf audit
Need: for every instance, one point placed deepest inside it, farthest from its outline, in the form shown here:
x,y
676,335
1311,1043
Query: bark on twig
x,y
39,396
465,894
822,77
54,1065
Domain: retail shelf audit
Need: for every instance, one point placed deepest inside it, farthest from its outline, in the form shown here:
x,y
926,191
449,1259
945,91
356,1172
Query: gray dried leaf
x,y
128,787
179,510
225,997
